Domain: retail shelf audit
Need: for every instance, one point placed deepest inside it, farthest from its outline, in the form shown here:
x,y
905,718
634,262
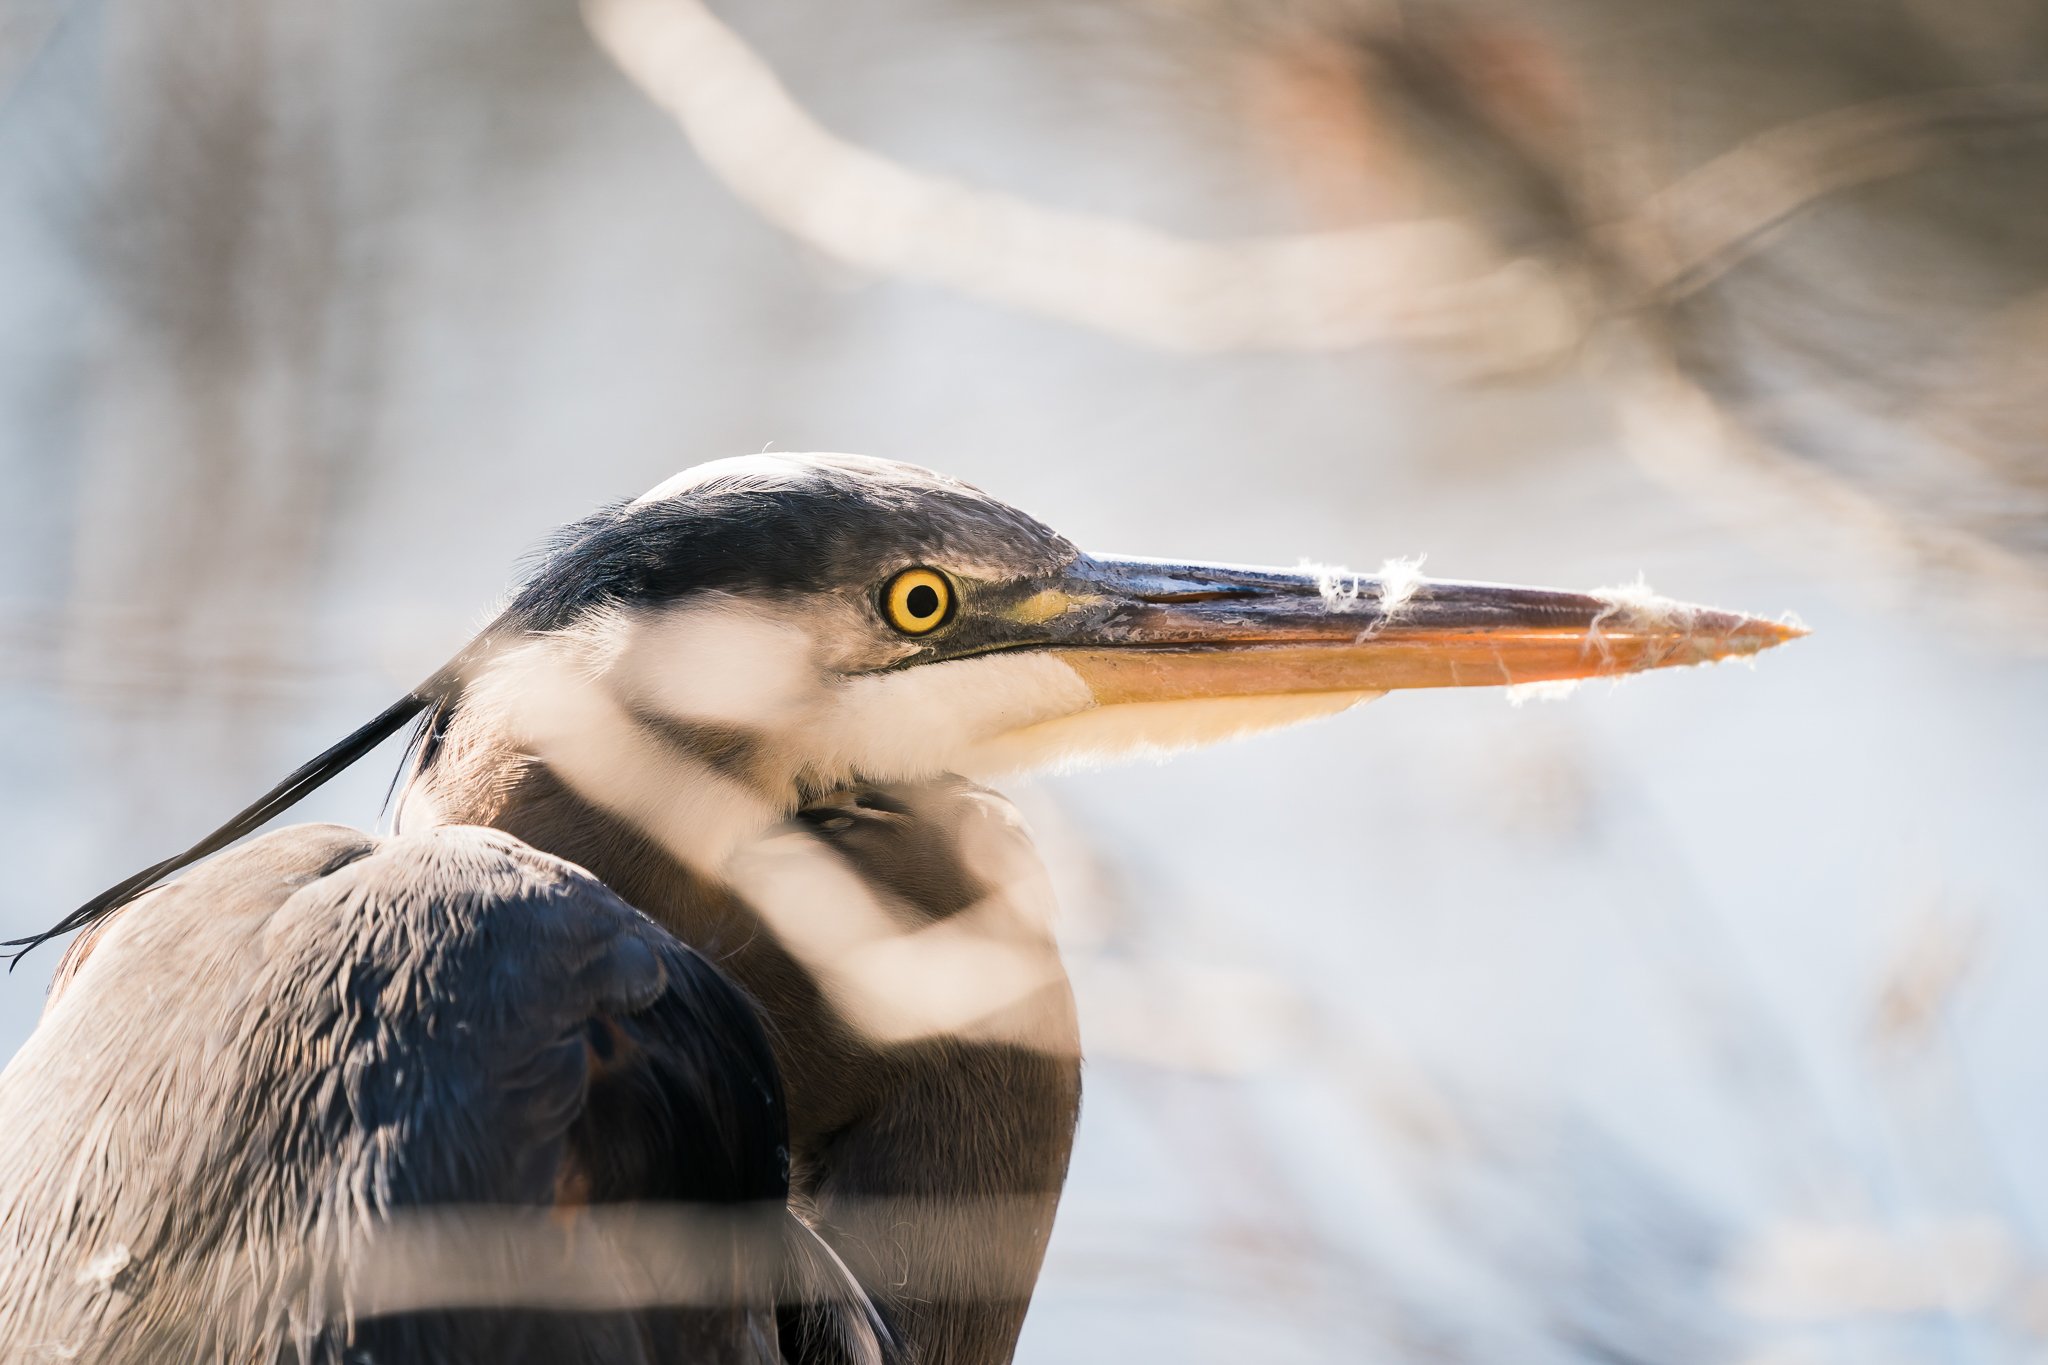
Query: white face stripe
x,y
778,467
925,720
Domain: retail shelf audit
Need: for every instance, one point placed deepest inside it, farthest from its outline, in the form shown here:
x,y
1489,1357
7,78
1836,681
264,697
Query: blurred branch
x,y
1310,291
1306,291
1709,220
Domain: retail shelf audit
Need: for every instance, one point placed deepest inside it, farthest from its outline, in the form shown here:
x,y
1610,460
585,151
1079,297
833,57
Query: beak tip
x,y
1757,634
1642,633
1716,636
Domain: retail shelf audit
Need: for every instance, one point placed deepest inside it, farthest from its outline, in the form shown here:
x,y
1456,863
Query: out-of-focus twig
x,y
1308,291
1305,291
1707,221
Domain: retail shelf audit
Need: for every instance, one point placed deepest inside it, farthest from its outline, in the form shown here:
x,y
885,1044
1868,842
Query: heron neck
x,y
932,1161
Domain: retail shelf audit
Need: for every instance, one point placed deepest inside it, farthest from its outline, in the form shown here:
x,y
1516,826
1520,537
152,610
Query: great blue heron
x,y
695,1009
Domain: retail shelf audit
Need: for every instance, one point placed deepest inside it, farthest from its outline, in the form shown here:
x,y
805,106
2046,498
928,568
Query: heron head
x,y
755,632
766,628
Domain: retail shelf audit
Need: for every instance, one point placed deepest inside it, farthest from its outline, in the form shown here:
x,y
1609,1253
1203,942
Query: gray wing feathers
x,y
255,1068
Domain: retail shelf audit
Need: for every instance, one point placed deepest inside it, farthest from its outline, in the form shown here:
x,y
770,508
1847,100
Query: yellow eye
x,y
918,601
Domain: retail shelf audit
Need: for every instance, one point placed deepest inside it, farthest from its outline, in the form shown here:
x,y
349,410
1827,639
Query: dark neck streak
x,y
948,1124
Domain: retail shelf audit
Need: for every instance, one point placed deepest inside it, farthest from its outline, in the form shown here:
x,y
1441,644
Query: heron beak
x,y
1140,631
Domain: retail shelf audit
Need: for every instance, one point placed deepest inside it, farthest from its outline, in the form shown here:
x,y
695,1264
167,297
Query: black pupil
x,y
922,602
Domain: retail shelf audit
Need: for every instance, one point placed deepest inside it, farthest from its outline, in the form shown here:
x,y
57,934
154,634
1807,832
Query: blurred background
x,y
1696,1019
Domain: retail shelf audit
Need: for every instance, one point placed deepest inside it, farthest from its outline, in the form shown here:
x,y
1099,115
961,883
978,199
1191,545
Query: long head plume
x,y
421,707
302,780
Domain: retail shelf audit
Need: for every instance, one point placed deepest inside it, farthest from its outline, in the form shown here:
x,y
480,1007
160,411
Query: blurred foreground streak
x,y
1802,241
